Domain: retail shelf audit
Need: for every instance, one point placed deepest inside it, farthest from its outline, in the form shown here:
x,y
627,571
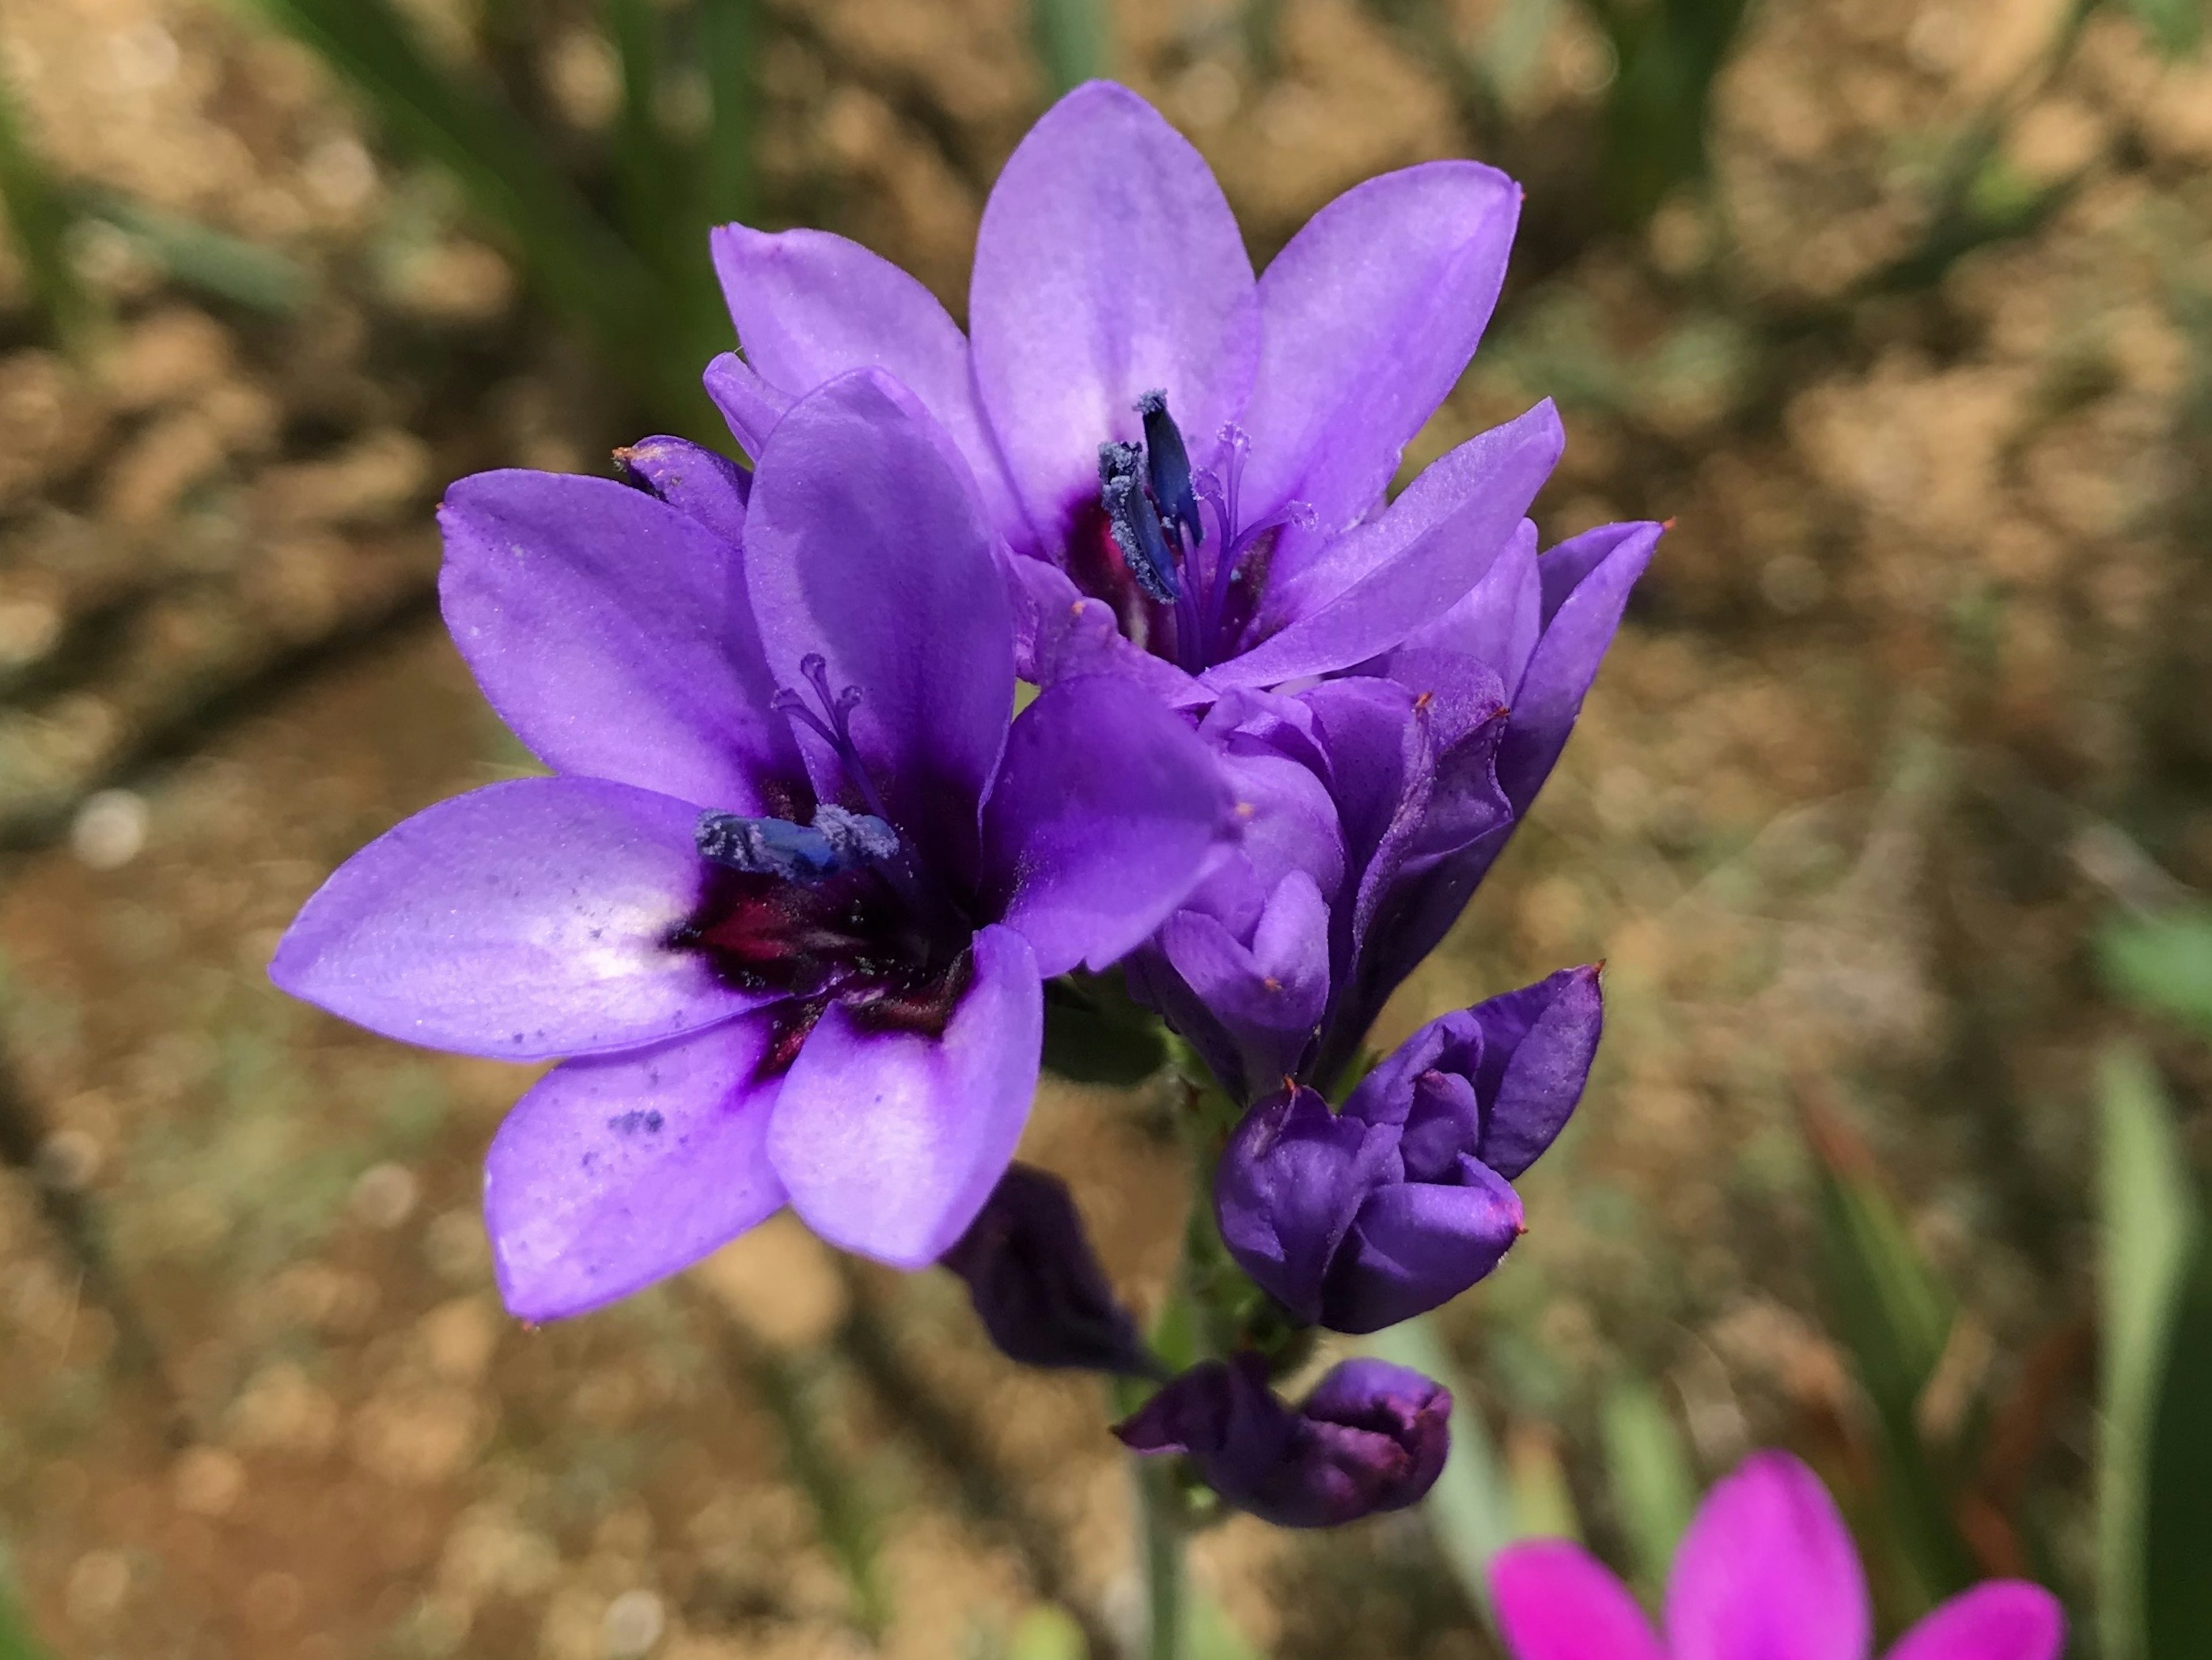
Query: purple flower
x,y
1371,1436
1190,461
1357,1219
790,896
1767,1572
1038,1287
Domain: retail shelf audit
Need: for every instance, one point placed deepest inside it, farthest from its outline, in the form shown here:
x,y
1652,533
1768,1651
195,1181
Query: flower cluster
x,y
785,906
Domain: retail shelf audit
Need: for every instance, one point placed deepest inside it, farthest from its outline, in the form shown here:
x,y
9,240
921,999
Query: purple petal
x,y
694,481
1768,1572
809,306
1289,1183
521,920
2003,1619
1556,1601
1363,593
1416,1245
1269,995
612,1173
610,633
890,1140
1036,1284
1367,317
865,547
1538,1044
1586,581
749,404
1100,822
1107,265
1498,621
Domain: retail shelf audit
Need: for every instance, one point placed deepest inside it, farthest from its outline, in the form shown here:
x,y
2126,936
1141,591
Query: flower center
x,y
832,910
1149,498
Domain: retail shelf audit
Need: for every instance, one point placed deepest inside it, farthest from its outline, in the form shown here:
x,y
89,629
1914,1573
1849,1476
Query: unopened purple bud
x,y
1036,1284
1371,1436
1357,1219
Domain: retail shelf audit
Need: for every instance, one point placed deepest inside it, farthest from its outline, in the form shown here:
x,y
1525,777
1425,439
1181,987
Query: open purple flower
x,y
1188,461
1767,1571
790,896
1357,1219
1371,1436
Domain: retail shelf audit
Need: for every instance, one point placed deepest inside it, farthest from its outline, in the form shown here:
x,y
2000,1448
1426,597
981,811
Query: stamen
x,y
1136,525
835,730
1167,465
838,840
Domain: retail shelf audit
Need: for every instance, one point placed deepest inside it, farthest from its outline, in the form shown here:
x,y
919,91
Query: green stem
x,y
1160,1537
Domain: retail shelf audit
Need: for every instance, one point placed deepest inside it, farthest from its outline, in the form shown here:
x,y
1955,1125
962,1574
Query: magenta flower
x,y
1190,461
790,897
1767,1572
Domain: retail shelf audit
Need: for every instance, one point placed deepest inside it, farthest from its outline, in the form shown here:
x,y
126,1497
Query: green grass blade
x,y
1072,40
2176,25
16,1642
200,257
647,169
41,219
2151,1226
2163,963
572,256
1894,1319
1654,1488
728,36
1470,1510
2176,1538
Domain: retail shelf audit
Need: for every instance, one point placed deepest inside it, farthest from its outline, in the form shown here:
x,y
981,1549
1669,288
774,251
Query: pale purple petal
x,y
809,306
1288,1186
617,1171
1496,622
522,921
2004,1619
1268,995
694,480
1363,593
1107,265
1586,581
865,547
890,1140
1538,1044
1556,1601
749,404
1767,1571
1367,317
1102,819
610,632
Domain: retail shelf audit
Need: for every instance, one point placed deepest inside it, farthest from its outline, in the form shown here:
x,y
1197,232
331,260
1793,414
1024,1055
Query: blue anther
x,y
1135,524
838,840
1167,466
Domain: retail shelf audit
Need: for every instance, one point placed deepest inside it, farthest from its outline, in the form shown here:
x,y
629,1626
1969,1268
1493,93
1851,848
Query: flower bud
x,y
1371,1436
1036,1284
1357,1219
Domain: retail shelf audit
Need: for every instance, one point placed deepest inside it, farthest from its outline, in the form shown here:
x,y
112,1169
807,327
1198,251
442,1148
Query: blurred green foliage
x,y
617,247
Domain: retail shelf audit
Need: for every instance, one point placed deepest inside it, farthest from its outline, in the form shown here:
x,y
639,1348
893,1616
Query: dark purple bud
x,y
1037,1284
1524,1056
1371,1436
1357,1220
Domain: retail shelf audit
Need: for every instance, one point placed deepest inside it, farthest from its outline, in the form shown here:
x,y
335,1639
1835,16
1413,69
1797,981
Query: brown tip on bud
x,y
1271,983
1424,700
1519,1229
1245,809
1290,1085
529,1326
1667,524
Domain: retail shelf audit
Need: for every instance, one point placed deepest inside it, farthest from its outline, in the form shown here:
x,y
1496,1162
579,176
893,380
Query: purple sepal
x,y
1036,1284
1370,1437
1357,1219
